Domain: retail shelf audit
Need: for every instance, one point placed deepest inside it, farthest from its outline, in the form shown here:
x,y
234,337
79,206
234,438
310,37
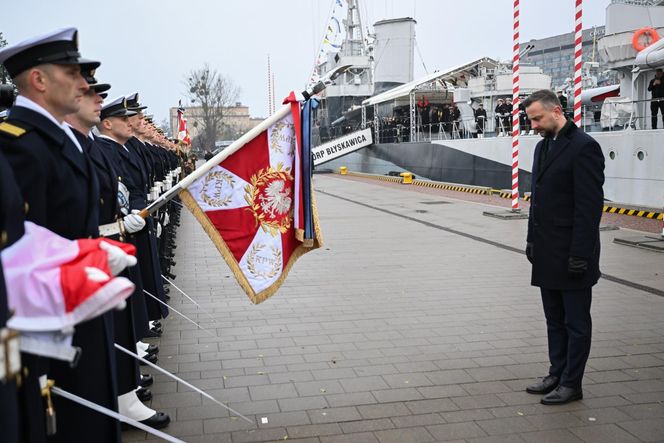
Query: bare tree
x,y
166,127
212,91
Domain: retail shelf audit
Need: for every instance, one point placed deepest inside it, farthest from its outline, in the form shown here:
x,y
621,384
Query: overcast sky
x,y
150,45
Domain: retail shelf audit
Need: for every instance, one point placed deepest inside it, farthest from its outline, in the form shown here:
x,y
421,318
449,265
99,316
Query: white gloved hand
x,y
158,229
117,258
167,219
133,222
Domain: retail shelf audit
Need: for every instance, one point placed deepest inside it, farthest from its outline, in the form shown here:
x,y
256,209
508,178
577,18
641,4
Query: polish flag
x,y
54,283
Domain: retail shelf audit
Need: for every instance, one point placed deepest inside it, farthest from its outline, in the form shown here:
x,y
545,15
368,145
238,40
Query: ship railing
x,y
620,116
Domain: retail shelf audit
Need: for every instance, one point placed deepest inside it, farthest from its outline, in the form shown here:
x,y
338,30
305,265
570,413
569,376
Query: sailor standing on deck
x,y
61,192
563,241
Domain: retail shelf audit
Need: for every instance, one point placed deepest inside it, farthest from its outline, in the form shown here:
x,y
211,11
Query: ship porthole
x,y
612,155
640,155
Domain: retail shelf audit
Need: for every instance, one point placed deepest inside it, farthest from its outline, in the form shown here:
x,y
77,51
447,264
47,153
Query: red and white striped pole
x,y
578,51
515,111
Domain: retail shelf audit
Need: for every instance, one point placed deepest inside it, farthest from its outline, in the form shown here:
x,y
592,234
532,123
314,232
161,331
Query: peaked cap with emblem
x,y
116,108
133,103
99,88
58,47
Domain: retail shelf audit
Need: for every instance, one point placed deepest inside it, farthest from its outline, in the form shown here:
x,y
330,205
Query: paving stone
x,y
366,425
355,398
407,435
453,431
646,430
433,405
302,403
466,415
418,420
334,415
563,420
360,384
313,430
552,436
383,410
478,401
603,433
266,392
362,437
259,435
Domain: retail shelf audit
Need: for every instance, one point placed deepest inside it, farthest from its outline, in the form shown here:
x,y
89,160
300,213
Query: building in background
x,y
236,121
555,56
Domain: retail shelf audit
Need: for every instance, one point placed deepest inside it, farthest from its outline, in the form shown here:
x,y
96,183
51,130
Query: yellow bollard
x,y
407,178
343,170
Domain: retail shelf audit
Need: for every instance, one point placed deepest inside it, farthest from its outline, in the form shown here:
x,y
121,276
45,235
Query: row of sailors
x,y
75,164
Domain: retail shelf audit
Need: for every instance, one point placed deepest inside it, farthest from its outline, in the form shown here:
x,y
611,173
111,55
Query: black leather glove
x,y
530,251
577,266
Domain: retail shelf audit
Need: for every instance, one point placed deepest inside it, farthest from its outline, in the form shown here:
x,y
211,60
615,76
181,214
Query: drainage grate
x,y
421,211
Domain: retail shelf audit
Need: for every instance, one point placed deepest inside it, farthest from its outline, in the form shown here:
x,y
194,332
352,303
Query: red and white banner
x,y
249,205
183,132
54,283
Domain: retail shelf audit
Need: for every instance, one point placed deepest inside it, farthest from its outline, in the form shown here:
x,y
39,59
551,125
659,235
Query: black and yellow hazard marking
x,y
499,193
634,212
625,211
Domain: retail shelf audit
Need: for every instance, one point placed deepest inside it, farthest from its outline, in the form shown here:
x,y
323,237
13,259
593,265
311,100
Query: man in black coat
x,y
656,87
563,241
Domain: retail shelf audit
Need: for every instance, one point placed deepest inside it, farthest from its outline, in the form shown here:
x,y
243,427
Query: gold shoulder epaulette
x,y
11,129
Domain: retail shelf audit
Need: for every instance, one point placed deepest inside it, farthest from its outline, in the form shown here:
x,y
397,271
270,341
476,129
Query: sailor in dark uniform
x,y
114,131
60,188
480,119
11,229
141,165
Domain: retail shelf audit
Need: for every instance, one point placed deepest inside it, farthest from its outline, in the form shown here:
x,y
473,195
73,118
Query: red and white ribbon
x,y
515,111
578,52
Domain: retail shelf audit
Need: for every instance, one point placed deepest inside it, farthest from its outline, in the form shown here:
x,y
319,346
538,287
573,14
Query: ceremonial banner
x,y
251,206
183,132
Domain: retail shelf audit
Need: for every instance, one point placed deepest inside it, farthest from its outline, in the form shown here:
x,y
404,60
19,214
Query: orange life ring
x,y
636,43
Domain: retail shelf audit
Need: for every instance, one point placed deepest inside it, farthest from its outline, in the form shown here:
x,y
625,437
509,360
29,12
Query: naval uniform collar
x,y
24,102
114,141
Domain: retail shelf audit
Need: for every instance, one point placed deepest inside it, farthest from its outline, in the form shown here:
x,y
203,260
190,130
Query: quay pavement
x,y
415,322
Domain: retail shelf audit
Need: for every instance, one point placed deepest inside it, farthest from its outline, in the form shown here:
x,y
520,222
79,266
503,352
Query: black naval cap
x,y
89,76
133,103
58,47
116,108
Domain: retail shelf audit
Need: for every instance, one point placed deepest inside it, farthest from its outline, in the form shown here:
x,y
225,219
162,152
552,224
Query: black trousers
x,y
656,104
569,330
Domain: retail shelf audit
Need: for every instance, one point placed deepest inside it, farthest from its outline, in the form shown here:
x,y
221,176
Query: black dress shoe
x,y
562,395
548,384
158,420
151,358
152,349
146,380
144,394
152,334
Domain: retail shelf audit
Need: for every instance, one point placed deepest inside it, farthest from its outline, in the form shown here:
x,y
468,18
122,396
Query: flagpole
x,y
237,144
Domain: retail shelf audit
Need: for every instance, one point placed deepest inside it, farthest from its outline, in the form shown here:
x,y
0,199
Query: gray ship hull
x,y
634,162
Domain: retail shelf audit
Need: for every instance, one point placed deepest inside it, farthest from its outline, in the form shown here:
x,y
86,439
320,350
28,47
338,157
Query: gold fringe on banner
x,y
256,298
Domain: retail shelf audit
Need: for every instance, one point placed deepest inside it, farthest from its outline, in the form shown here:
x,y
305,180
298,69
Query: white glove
x,y
117,258
133,222
167,219
158,229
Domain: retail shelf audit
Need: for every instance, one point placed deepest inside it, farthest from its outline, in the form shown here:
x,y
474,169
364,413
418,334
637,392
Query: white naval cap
x,y
116,108
57,47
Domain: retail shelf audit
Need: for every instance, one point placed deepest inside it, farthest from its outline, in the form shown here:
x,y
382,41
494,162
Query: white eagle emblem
x,y
276,200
